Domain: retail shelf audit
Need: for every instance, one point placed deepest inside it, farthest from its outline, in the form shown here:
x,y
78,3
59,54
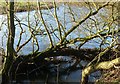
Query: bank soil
x,y
112,75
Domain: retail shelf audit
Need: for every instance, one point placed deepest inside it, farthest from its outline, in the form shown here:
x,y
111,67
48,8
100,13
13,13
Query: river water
x,y
66,19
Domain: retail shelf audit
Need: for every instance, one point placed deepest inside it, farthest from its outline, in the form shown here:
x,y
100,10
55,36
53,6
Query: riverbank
x,y
110,76
24,6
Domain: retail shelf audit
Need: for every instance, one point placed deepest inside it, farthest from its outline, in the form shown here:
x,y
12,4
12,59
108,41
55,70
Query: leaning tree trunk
x,y
99,66
10,45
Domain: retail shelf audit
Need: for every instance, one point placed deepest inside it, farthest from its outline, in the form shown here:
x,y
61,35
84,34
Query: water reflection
x,y
53,73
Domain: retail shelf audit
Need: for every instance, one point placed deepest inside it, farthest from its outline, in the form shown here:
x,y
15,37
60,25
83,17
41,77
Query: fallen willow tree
x,y
14,63
82,54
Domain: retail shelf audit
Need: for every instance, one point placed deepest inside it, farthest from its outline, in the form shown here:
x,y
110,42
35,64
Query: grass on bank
x,y
23,6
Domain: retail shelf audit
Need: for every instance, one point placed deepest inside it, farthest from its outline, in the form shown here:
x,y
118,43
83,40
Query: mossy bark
x,y
98,66
10,45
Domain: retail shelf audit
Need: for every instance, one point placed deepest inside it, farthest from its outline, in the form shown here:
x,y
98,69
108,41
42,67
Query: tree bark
x,y
10,46
98,66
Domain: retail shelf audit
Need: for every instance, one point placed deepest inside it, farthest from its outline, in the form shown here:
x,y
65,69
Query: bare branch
x,y
81,21
40,16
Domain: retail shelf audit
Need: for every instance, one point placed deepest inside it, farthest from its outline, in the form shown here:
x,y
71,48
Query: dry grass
x,y
111,75
23,6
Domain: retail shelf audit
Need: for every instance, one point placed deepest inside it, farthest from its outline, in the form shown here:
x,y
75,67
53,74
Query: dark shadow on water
x,y
52,71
